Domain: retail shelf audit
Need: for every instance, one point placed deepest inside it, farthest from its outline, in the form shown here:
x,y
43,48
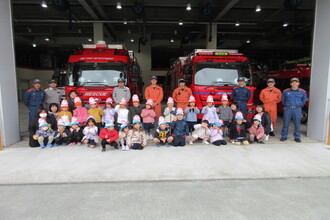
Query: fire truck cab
x,y
211,72
94,70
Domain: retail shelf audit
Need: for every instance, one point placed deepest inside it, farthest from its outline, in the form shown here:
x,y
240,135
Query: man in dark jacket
x,y
241,95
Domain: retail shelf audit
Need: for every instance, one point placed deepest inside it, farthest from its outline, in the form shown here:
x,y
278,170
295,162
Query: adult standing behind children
x,y
155,93
293,100
121,91
181,95
270,96
241,95
72,95
53,95
34,99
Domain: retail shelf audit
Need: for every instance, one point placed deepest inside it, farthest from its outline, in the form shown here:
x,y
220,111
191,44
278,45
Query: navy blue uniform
x,y
180,131
34,99
293,101
241,95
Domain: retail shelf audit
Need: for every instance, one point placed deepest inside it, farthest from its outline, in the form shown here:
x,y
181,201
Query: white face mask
x,y
44,128
43,115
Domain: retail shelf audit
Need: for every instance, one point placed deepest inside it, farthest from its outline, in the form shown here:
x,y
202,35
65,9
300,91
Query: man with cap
x,y
241,94
155,93
34,99
181,94
121,92
53,95
270,96
293,100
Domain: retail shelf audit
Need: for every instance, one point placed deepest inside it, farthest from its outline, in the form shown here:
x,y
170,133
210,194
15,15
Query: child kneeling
x,y
257,132
109,135
201,131
216,136
162,134
238,131
136,138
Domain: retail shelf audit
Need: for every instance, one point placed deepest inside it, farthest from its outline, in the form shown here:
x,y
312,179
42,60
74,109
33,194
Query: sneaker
x,y
71,144
79,143
205,142
245,142
191,142
56,145
167,144
103,149
237,143
42,146
267,138
297,140
123,147
49,145
283,139
126,147
158,145
260,142
65,144
151,137
271,134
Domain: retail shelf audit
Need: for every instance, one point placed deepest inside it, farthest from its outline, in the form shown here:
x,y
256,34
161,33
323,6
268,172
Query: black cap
x,y
121,80
240,79
270,80
153,77
182,81
36,81
52,81
294,79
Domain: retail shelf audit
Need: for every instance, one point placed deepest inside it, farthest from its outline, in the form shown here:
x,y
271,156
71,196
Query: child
x,y
53,110
136,109
123,132
109,136
80,112
180,129
238,131
90,132
148,115
210,111
65,114
122,112
201,131
234,109
191,112
44,134
169,111
61,135
266,121
216,137
109,112
96,112
136,138
162,134
225,113
257,130
75,134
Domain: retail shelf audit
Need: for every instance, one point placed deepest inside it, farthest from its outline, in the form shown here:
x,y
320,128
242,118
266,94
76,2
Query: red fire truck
x,y
94,71
301,69
211,72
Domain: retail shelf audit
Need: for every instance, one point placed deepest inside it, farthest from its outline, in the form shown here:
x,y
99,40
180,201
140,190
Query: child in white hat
x,y
163,133
109,136
44,135
122,112
61,135
75,132
239,130
210,111
256,131
136,138
123,132
169,111
148,114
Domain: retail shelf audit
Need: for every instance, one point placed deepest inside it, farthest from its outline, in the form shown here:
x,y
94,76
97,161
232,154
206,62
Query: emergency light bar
x,y
102,44
215,52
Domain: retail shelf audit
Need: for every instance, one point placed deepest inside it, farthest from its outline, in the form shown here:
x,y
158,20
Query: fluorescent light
x,y
175,32
132,40
172,40
237,24
180,23
188,7
125,22
119,5
46,39
285,24
34,45
248,41
258,8
90,39
44,4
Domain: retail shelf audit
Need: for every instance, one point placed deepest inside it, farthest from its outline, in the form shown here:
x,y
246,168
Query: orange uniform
x,y
270,98
181,97
156,94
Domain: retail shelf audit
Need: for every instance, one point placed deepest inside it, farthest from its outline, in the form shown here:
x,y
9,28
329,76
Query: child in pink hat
x,y
169,111
180,129
136,109
191,111
210,111
256,131
239,130
109,111
148,115
80,112
65,114
225,113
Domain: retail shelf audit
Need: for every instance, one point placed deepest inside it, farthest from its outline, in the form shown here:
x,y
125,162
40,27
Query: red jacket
x,y
112,135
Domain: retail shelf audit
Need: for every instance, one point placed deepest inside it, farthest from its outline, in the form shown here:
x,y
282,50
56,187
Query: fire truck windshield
x,y
95,74
220,74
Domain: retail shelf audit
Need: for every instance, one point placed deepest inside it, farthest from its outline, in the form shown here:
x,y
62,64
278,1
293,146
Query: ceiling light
x,y
188,7
118,5
129,31
34,45
175,32
285,24
248,41
90,39
237,24
132,40
44,4
258,8
125,22
172,40
46,39
180,23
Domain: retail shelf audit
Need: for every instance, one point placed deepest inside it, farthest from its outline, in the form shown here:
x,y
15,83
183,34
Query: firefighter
x,y
270,96
121,92
181,95
155,93
241,95
53,95
34,99
293,100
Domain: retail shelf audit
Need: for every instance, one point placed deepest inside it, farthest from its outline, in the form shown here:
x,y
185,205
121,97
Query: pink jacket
x,y
258,132
81,114
148,115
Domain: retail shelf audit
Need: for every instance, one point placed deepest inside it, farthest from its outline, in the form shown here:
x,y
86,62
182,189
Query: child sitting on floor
x,y
201,131
238,131
256,131
61,135
75,132
109,136
44,135
216,136
162,134
90,132
180,129
136,138
123,132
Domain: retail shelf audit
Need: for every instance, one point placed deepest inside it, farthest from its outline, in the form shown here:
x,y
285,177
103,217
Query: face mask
x,y
43,115
44,128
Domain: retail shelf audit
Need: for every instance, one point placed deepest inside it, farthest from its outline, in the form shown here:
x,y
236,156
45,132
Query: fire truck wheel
x,y
304,115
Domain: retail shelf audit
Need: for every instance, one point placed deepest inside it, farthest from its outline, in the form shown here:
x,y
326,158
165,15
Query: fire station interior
x,y
273,35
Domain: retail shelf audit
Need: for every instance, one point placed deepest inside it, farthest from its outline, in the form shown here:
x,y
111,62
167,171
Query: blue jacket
x,y
180,128
34,97
241,94
192,114
292,97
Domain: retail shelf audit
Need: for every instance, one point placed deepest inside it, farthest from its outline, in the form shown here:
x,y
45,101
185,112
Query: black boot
x,y
271,134
103,149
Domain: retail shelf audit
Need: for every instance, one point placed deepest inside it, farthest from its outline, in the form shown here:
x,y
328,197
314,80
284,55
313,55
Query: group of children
x,y
124,127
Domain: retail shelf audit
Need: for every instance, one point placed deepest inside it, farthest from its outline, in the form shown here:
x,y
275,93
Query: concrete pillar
x,y
98,32
9,123
213,43
319,96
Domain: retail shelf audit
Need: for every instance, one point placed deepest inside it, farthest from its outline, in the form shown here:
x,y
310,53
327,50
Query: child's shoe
x,y
205,142
237,143
167,144
42,146
56,145
245,142
158,145
191,142
260,142
267,137
123,147
71,144
126,147
49,145
79,143
103,149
